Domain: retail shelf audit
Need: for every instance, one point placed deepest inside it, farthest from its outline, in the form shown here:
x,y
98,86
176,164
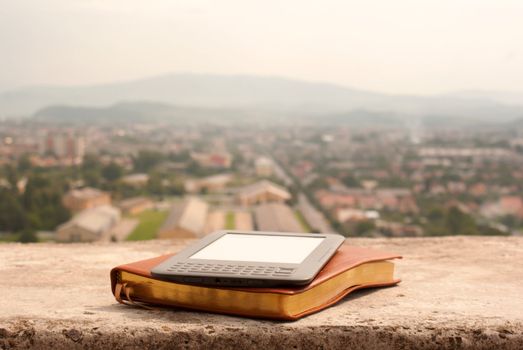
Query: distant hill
x,y
151,111
360,117
508,98
252,93
137,112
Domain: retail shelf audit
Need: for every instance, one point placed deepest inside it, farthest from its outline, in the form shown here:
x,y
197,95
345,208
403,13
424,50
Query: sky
x,y
400,47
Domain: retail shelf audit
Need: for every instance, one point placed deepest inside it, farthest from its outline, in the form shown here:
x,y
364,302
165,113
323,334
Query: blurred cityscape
x,y
132,120
115,180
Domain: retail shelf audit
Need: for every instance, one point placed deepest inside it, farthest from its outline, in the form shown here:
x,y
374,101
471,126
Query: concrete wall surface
x,y
457,293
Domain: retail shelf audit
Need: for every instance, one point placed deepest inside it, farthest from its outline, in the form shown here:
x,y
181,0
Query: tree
x,y
183,156
91,170
13,217
90,162
510,221
436,214
28,236
12,176
155,185
460,223
112,172
92,178
24,163
146,160
42,201
350,181
364,227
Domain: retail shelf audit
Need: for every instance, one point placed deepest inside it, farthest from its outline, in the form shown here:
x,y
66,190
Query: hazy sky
x,y
399,46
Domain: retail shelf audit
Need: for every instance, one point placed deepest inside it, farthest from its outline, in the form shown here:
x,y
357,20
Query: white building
x,y
262,192
263,166
62,144
136,180
89,225
213,183
186,219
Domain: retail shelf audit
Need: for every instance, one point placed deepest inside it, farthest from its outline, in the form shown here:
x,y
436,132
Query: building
x,y
479,153
63,145
136,180
302,168
276,217
21,184
506,205
89,225
397,229
263,166
354,215
399,199
186,219
328,199
212,160
478,189
243,220
216,220
214,183
77,200
262,192
396,199
135,205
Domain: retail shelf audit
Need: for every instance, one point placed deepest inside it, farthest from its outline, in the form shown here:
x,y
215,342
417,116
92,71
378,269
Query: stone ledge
x,y
457,292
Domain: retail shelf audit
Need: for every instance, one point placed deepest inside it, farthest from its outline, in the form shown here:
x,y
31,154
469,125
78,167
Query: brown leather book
x,y
351,268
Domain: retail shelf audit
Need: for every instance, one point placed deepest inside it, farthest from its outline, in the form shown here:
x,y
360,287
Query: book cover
x,y
351,268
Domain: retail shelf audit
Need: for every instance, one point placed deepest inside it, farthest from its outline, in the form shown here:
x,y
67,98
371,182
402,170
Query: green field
x,y
302,221
9,237
147,228
230,223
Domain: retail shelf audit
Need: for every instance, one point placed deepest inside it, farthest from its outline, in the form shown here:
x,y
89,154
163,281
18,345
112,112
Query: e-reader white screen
x,y
259,248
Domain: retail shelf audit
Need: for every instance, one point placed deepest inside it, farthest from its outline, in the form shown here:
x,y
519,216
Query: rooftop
x,y
95,219
457,292
217,179
86,193
264,186
276,217
130,202
138,177
191,214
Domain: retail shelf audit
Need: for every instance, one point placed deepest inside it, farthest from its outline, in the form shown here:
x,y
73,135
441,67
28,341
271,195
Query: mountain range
x,y
210,93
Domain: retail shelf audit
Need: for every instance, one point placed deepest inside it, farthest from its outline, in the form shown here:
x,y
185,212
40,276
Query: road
x,y
314,217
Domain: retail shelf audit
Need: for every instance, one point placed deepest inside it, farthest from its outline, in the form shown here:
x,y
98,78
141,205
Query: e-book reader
x,y
251,259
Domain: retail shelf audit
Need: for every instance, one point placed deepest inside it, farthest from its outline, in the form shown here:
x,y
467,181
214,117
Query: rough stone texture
x,y
459,292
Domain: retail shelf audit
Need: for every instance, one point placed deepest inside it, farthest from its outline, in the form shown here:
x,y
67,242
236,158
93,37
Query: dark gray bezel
x,y
304,273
